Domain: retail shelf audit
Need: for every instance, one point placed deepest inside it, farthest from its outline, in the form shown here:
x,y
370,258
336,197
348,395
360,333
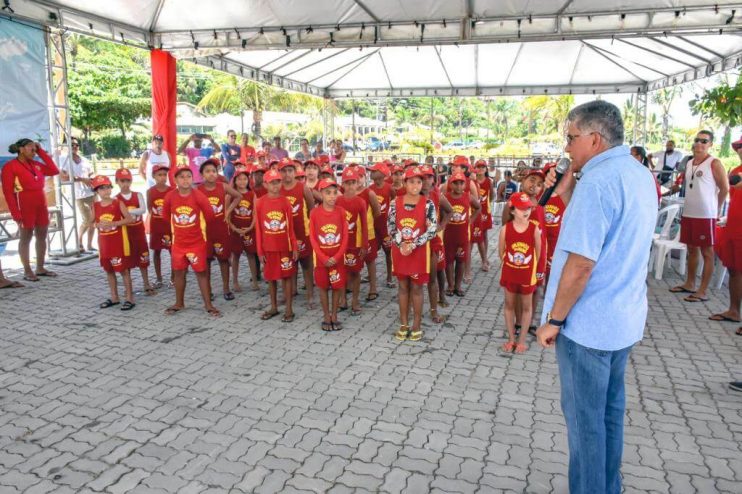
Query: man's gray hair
x,y
601,117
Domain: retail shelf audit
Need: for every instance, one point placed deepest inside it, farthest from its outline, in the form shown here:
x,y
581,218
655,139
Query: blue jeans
x,y
593,403
228,171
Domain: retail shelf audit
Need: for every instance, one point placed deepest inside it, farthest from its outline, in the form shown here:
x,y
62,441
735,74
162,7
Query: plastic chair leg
x,y
659,263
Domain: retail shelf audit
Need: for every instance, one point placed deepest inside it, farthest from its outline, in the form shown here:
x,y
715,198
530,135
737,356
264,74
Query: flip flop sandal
x,y
508,347
337,325
355,312
459,293
172,310
108,303
722,318
12,284
435,317
693,299
288,318
372,296
327,326
416,335
128,305
47,274
342,308
402,332
532,330
520,348
679,289
443,303
33,280
229,296
449,293
214,312
739,331
268,315
391,284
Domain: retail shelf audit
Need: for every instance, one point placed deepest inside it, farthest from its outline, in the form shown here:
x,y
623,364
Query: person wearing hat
x,y
485,193
412,224
136,232
553,213
397,182
230,154
328,233
257,172
188,209
355,215
384,195
160,232
242,229
311,170
77,168
23,181
276,244
156,155
112,218
519,250
198,154
456,238
302,201
373,211
730,250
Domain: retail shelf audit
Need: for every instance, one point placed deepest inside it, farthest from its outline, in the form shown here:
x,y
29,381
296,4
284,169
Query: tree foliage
x,y
724,104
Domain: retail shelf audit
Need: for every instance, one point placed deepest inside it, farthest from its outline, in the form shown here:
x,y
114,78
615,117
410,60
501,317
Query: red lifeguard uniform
x,y
410,225
328,234
519,263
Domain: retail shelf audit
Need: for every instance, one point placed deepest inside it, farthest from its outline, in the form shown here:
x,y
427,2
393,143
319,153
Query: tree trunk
x,y
257,117
726,142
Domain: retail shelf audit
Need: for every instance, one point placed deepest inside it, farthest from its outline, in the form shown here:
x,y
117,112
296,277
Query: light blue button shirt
x,y
610,220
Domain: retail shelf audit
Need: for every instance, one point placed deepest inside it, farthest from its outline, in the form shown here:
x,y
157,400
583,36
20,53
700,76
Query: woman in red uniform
x,y
134,201
159,226
242,224
383,191
412,225
328,233
520,249
355,214
23,186
485,191
111,220
456,240
222,198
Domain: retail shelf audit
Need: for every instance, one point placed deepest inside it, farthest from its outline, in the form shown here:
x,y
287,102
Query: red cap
x,y
480,163
409,162
349,173
397,169
535,171
99,181
323,159
183,167
326,182
274,162
413,171
460,160
520,200
310,163
428,170
379,167
123,174
240,170
271,175
457,177
548,166
261,154
326,169
258,167
159,167
737,144
300,173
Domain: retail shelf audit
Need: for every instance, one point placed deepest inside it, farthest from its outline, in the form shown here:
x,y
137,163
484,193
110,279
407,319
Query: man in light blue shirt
x,y
595,307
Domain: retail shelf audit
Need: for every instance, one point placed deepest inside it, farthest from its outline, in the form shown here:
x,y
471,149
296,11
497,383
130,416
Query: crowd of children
x,y
288,214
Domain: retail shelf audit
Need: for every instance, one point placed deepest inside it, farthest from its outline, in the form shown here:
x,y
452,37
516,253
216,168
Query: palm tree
x,y
664,97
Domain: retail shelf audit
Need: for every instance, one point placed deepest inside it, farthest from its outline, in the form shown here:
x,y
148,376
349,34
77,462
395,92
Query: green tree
x,y
723,102
664,97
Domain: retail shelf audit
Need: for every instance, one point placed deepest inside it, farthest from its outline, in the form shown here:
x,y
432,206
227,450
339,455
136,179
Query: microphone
x,y
561,169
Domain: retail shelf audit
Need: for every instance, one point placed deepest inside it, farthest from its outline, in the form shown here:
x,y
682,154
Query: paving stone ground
x,y
105,401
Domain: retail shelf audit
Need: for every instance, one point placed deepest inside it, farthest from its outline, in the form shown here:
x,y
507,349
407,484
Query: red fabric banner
x,y
164,100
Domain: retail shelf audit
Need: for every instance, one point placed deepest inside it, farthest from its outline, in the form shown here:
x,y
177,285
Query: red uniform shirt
x,y
188,217
383,196
242,214
364,194
159,226
734,213
355,215
112,242
299,210
18,177
411,224
459,221
132,203
274,227
519,263
553,214
328,233
485,201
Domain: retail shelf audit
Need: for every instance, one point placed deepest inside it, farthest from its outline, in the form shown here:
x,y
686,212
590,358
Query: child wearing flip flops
x,y
111,220
328,233
160,233
412,224
437,282
355,214
383,190
456,237
277,247
242,226
520,251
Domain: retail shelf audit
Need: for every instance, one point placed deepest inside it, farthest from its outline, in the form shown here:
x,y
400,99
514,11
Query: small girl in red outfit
x,y
456,238
520,250
160,233
134,201
242,226
328,233
485,192
355,214
111,219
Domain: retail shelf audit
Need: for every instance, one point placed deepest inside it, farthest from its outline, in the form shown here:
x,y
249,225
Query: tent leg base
x,y
57,258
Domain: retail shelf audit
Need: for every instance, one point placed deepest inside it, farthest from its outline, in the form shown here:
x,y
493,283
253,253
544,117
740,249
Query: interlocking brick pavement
x,y
106,401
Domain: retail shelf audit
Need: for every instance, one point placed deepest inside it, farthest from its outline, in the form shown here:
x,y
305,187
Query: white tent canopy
x,y
381,48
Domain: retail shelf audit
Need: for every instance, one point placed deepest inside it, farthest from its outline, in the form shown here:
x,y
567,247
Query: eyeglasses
x,y
75,145
232,135
571,138
701,140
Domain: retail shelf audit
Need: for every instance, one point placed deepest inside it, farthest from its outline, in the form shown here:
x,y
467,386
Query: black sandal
x,y
229,296
336,325
372,296
288,318
128,305
108,303
458,293
327,326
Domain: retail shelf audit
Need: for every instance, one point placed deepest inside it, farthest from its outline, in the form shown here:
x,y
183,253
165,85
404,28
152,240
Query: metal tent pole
x,y
640,119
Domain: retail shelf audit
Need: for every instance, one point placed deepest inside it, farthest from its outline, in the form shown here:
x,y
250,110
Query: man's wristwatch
x,y
554,322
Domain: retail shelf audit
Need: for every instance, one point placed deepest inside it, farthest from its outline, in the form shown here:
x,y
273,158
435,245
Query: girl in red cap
x,y
412,225
328,233
456,239
23,181
398,181
372,212
112,218
384,194
355,214
159,226
553,214
242,226
256,181
485,192
276,244
223,199
134,201
437,282
520,249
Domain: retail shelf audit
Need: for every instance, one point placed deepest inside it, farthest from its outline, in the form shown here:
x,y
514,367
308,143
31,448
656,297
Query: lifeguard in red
x,y
217,230
355,215
136,231
553,214
242,217
275,237
160,234
520,261
411,224
188,215
113,242
299,211
328,233
456,237
383,196
23,186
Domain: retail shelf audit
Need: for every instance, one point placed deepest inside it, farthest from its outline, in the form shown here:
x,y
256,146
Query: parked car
x,y
375,144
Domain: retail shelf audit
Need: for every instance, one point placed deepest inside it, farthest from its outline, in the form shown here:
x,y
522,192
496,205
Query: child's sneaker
x,y
402,332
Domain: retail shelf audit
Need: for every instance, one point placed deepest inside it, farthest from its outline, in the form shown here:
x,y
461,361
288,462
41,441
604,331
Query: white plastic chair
x,y
665,221
663,249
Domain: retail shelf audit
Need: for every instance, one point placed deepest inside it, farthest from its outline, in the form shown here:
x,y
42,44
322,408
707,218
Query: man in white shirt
x,y
79,170
667,161
156,155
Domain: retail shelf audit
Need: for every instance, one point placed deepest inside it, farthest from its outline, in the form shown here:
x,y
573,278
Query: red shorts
x,y
417,278
304,246
159,235
116,264
184,256
456,251
279,266
439,254
485,222
330,278
697,232
519,289
729,251
353,263
476,232
138,246
243,243
33,209
373,250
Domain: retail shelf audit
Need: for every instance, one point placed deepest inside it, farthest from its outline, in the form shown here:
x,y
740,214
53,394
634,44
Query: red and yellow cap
x,y
123,174
460,160
520,200
271,175
537,172
326,182
457,177
397,169
183,167
349,173
100,181
428,170
326,169
310,163
159,167
412,172
380,167
323,159
480,164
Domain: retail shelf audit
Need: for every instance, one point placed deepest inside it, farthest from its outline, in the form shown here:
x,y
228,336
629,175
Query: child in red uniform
x,y
328,233
485,192
355,214
397,184
276,244
383,191
111,219
520,249
134,201
412,225
242,225
465,209
553,214
437,282
302,201
373,211
159,226
189,211
256,181
223,199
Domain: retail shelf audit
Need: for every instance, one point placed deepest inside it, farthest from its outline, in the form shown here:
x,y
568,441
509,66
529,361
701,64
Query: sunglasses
x,y
701,140
232,135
